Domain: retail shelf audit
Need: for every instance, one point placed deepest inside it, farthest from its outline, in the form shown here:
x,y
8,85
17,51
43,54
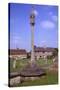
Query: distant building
x,y
17,53
41,52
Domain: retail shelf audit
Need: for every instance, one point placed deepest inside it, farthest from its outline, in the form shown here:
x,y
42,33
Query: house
x,y
41,52
17,53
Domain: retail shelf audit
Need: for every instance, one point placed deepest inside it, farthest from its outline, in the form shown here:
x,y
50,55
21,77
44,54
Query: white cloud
x,y
47,24
54,18
50,13
15,41
44,43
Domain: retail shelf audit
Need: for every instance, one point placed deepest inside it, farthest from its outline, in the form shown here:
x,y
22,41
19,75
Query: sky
x,y
45,29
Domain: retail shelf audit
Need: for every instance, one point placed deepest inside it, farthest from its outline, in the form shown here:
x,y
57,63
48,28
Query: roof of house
x,y
17,51
36,49
41,49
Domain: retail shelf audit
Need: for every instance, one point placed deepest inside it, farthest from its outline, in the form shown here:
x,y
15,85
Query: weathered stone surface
x,y
32,71
15,80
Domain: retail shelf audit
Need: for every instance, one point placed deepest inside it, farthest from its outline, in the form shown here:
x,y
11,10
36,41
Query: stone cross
x,y
32,23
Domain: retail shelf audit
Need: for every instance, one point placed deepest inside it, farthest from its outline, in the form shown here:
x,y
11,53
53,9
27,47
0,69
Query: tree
x,y
55,52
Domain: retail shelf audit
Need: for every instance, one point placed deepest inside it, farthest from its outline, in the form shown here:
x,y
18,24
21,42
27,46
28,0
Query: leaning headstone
x,y
14,64
53,59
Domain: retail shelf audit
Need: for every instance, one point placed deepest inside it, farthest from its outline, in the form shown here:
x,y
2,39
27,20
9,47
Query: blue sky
x,y
46,26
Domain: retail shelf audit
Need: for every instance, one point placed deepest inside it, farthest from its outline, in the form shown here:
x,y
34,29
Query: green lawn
x,y
43,62
21,63
50,78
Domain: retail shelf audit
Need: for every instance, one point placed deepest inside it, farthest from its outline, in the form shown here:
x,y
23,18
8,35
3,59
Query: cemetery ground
x,y
50,78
